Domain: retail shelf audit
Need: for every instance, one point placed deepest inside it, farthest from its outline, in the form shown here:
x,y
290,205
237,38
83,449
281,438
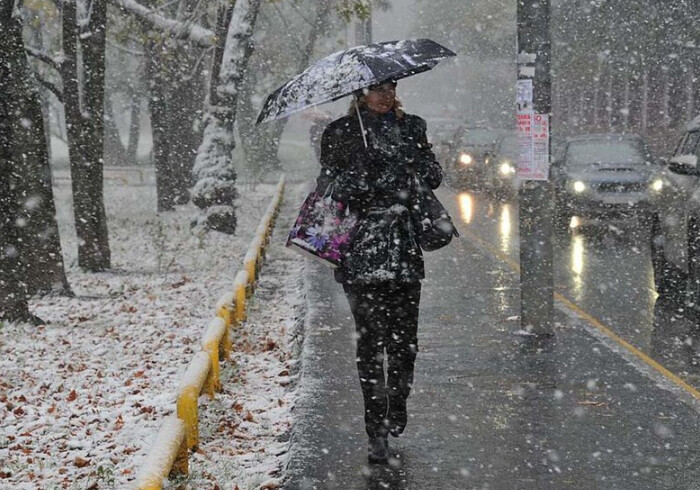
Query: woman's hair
x,y
359,99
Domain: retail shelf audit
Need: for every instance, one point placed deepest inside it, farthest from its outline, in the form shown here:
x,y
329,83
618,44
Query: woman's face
x,y
381,99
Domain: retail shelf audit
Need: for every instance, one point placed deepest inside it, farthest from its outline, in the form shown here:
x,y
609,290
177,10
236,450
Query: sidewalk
x,y
489,409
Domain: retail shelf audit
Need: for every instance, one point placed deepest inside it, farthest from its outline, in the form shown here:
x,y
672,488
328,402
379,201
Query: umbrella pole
x,y
359,117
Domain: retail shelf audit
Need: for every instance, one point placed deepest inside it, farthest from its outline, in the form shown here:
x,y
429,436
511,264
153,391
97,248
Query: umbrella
x,y
342,73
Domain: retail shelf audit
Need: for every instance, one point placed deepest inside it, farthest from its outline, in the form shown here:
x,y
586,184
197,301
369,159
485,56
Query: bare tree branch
x,y
53,62
177,29
50,87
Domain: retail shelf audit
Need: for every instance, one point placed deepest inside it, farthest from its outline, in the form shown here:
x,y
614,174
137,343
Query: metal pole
x,y
536,203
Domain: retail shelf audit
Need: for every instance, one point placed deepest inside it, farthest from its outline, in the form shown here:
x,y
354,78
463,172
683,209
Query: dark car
x,y
502,181
675,227
467,166
605,176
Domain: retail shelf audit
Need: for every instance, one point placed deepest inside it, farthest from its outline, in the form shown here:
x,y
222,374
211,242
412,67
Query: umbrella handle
x,y
359,117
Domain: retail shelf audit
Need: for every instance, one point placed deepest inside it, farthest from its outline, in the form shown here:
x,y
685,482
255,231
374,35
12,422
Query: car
x,y
607,176
675,227
502,181
467,166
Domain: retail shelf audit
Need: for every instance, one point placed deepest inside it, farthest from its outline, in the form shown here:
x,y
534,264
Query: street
x,y
495,409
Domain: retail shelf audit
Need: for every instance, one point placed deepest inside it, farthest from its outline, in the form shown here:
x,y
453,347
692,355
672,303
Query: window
x,y
588,152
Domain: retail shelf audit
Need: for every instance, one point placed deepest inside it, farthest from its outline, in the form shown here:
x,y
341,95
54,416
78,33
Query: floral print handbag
x,y
323,229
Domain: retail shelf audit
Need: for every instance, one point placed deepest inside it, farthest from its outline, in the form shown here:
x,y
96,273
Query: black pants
x,y
386,319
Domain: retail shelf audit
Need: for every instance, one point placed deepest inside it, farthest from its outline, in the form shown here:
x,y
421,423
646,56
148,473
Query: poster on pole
x,y
533,136
540,147
524,127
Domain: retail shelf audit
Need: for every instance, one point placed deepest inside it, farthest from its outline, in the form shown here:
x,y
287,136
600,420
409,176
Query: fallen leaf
x,y
80,462
589,403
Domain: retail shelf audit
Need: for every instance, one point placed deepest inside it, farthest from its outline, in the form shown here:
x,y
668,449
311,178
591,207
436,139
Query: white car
x,y
675,237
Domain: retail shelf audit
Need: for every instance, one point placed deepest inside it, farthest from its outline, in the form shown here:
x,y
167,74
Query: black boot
x,y
397,415
378,449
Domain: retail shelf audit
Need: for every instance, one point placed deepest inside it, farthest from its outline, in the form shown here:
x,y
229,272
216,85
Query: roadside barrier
x,y
179,434
168,454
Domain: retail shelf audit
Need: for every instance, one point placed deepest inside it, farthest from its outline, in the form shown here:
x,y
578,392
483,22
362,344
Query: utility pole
x,y
536,203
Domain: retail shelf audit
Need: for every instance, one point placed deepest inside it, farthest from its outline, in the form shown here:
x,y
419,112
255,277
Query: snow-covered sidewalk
x,y
81,398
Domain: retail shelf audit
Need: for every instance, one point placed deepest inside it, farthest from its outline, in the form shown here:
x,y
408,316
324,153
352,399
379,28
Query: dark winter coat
x,y
378,184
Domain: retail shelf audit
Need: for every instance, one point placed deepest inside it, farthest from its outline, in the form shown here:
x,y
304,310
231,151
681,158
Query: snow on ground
x,y
82,397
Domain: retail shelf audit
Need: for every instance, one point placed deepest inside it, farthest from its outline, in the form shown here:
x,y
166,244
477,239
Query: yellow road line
x,y
584,315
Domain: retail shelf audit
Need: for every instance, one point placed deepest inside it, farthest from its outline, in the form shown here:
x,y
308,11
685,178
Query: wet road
x,y
490,409
605,269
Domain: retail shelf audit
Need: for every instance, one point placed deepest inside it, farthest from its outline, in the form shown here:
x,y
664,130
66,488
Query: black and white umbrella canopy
x,y
342,73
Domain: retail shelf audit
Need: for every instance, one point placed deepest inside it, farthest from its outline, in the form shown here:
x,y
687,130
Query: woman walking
x,y
382,270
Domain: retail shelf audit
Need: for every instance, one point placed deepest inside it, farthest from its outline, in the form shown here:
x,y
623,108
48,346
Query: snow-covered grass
x,y
82,398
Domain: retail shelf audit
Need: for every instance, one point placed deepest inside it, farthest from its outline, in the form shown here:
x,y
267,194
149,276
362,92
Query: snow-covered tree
x,y
215,190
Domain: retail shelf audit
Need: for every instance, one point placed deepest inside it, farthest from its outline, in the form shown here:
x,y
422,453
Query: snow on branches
x,y
214,170
178,29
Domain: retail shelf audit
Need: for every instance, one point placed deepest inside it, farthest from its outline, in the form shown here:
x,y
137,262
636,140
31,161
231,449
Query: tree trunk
x,y
85,123
115,153
134,128
27,227
596,95
215,190
689,93
184,103
42,245
184,107
165,180
609,100
626,103
644,118
666,97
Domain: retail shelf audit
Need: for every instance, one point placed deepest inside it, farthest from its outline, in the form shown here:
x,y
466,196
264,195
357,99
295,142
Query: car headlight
x,y
657,185
465,159
579,187
506,168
